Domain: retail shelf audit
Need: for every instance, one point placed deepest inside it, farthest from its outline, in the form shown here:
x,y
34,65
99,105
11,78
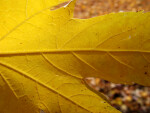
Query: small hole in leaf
x,y
41,111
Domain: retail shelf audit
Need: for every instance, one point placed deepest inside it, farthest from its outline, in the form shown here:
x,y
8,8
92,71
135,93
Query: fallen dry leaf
x,y
45,55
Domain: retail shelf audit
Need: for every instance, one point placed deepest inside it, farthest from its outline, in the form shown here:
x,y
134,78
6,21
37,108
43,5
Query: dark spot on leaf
x,y
145,73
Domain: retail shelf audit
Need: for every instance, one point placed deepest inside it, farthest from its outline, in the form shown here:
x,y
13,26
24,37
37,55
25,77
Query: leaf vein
x,y
58,68
119,61
26,75
5,80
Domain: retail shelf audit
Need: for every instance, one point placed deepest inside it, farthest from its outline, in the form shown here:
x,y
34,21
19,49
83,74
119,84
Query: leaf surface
x,y
44,59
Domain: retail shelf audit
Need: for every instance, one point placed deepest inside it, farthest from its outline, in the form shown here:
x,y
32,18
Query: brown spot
x,y
145,73
82,81
146,66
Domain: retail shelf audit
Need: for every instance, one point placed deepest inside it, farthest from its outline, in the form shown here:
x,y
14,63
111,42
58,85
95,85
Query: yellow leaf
x,y
44,58
14,13
32,83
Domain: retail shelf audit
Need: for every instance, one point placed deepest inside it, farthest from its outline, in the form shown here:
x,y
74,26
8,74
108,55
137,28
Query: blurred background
x,y
92,8
126,98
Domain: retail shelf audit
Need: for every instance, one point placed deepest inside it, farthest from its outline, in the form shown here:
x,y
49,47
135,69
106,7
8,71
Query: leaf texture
x,y
44,56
